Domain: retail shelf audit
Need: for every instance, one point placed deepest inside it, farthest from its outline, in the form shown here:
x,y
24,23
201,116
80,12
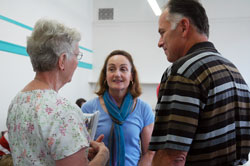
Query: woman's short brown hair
x,y
134,86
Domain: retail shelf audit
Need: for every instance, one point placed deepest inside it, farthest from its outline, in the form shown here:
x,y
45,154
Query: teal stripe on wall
x,y
85,49
30,28
13,48
85,65
20,50
15,22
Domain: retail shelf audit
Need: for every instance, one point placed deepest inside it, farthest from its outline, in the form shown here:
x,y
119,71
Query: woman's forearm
x,y
146,159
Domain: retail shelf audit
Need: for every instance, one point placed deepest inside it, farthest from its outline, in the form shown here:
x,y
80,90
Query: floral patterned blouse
x,y
44,127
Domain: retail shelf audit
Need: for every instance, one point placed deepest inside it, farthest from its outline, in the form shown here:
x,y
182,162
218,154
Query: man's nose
x,y
160,43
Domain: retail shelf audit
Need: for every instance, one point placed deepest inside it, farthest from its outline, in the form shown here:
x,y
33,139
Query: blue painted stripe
x,y
20,50
85,49
15,22
85,65
30,28
13,48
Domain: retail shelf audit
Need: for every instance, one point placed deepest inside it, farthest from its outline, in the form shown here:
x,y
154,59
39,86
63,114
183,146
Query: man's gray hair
x,y
48,41
191,9
174,19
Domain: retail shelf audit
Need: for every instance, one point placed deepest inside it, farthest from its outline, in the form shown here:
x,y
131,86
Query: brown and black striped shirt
x,y
203,108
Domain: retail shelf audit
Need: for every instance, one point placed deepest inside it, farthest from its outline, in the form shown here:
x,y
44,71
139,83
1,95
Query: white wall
x,y
16,70
138,34
229,30
134,29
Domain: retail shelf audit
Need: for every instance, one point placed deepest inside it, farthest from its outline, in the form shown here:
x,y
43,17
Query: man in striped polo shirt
x,y
203,108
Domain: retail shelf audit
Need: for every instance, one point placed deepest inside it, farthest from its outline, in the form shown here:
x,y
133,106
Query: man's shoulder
x,y
191,62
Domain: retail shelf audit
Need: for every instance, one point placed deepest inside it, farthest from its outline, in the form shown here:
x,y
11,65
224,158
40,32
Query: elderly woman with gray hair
x,y
44,128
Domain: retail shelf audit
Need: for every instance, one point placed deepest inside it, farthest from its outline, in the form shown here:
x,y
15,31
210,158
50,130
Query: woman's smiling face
x,y
118,73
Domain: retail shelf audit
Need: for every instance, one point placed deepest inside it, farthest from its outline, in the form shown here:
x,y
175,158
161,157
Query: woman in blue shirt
x,y
125,120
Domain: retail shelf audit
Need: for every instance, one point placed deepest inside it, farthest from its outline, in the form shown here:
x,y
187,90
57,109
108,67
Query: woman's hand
x,y
94,148
98,152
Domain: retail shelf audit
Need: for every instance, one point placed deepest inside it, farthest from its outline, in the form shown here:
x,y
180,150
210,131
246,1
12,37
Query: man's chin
x,y
69,80
166,52
170,59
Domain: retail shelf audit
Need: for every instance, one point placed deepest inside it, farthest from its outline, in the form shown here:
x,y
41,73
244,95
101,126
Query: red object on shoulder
x,y
4,145
157,90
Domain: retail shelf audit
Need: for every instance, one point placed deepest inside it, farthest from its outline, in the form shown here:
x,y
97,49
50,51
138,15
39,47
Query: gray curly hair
x,y
48,41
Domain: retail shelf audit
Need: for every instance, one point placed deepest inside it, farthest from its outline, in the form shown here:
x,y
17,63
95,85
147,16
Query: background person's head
x,y
133,85
50,40
80,102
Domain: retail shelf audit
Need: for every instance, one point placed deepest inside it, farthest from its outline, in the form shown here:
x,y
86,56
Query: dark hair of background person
x,y
134,86
80,101
193,10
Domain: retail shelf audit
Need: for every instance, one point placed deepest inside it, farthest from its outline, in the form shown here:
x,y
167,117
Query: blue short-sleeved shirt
x,y
141,116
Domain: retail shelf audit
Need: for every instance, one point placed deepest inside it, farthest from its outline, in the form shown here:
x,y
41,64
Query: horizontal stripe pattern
x,y
13,48
174,139
30,28
215,133
15,22
227,85
189,62
203,108
20,50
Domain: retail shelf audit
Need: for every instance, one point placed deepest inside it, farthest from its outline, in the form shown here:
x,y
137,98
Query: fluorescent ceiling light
x,y
155,7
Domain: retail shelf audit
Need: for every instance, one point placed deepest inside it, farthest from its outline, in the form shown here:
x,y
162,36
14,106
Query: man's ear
x,y
184,25
61,61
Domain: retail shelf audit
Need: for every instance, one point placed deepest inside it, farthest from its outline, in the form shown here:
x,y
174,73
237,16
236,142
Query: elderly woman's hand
x,y
98,152
96,147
